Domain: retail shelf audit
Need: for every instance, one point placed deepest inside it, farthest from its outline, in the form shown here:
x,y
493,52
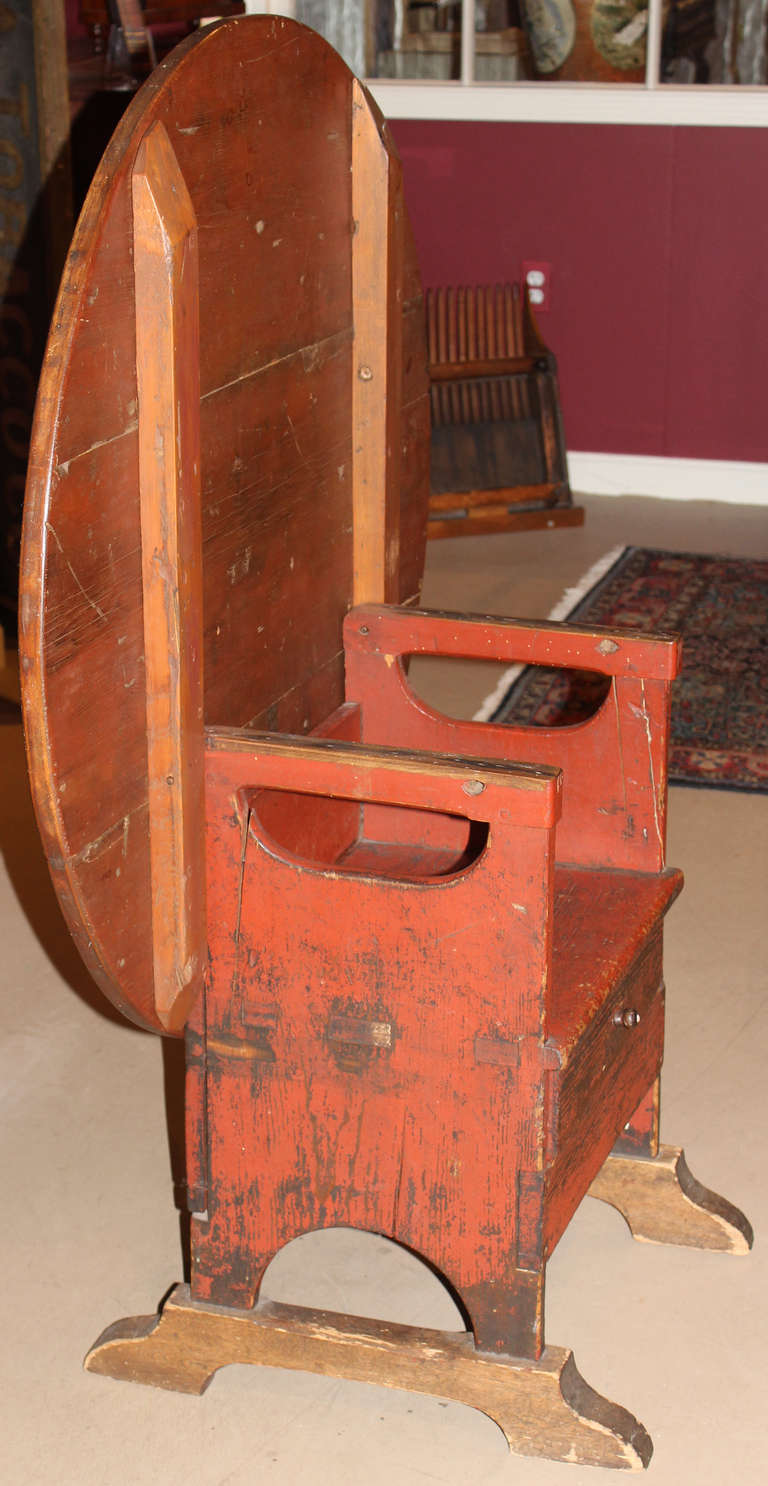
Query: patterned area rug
x,y
720,701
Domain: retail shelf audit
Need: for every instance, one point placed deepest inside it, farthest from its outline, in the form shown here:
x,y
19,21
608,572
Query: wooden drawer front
x,y
612,1065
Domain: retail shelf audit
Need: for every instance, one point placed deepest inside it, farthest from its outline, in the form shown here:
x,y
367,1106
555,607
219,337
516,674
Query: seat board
x,y
602,921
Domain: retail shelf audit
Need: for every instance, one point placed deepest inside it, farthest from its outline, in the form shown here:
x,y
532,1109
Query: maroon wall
x,y
658,240
74,24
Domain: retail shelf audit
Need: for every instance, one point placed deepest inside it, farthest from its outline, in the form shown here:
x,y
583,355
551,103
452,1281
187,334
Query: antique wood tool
x,y
417,962
96,14
498,448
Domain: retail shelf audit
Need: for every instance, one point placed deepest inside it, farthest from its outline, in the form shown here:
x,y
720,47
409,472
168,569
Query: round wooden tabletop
x,y
258,112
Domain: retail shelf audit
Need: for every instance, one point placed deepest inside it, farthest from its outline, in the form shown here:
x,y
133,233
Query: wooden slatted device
x,y
498,447
417,961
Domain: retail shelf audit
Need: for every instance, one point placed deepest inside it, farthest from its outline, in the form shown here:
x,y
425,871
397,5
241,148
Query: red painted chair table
x,y
417,961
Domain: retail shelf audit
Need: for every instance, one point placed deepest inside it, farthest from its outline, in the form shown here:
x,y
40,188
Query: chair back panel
x,y
259,115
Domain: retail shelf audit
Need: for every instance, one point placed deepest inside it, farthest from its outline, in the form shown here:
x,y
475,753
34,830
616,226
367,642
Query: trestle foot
x,y
543,1408
663,1203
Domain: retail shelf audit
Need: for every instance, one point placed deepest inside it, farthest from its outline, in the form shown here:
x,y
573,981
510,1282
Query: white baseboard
x,y
733,481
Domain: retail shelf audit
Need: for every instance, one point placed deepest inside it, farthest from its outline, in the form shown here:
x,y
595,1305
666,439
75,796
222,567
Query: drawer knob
x,y
628,1018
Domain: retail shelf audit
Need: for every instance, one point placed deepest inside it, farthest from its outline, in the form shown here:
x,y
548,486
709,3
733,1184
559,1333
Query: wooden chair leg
x,y
640,1136
663,1203
508,1319
543,1408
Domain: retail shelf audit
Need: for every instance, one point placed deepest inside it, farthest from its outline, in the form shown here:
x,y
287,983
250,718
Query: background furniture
x,y
35,228
498,449
123,31
98,13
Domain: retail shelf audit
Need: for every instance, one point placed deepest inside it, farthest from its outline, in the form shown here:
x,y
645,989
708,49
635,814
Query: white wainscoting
x,y
736,482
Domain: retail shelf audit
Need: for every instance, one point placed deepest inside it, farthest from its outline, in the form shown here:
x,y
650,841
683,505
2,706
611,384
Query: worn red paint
x,y
422,935
409,1024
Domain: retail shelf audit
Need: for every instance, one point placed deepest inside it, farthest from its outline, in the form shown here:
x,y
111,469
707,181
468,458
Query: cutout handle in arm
x,y
167,360
614,763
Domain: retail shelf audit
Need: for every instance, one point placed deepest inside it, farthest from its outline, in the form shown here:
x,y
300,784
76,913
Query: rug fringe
x,y
564,606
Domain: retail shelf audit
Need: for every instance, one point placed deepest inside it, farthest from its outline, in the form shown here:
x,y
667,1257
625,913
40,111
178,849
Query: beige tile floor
x,y
90,1232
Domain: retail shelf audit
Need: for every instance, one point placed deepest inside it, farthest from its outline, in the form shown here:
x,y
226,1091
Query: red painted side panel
x,y
429,1046
435,1053
371,1048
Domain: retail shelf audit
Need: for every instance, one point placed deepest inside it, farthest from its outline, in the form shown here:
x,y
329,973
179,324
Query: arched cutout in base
x,y
363,1274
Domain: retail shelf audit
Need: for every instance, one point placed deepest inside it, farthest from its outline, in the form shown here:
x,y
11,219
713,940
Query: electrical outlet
x,y
538,278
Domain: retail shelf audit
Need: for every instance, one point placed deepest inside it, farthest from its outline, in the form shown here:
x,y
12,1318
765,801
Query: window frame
x,y
650,102
545,102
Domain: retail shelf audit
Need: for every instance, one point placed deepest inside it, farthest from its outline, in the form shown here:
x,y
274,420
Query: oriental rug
x,y
719,702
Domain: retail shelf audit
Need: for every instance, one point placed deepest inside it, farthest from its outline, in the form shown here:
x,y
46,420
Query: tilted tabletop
x,y
259,114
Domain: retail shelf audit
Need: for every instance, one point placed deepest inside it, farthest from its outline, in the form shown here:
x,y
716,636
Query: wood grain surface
x,y
543,1407
259,115
663,1202
167,365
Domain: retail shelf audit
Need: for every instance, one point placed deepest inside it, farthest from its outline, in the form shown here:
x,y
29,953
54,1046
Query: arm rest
x,y
480,789
614,763
497,914
396,632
